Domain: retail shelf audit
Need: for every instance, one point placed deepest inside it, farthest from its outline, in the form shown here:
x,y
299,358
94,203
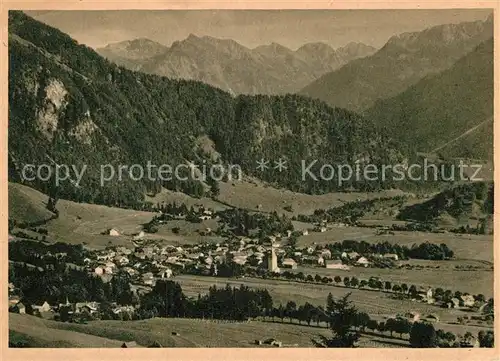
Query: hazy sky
x,y
251,28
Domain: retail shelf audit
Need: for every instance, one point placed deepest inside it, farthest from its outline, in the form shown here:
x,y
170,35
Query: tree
x,y
362,320
423,335
438,293
486,339
480,297
337,279
346,281
449,336
388,286
291,309
381,327
404,288
390,325
342,322
402,326
215,189
396,288
281,312
354,282
372,325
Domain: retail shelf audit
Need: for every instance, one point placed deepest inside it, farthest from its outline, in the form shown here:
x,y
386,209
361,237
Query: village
x,y
149,259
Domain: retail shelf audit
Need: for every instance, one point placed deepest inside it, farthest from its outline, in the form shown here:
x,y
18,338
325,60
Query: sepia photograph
x,y
239,178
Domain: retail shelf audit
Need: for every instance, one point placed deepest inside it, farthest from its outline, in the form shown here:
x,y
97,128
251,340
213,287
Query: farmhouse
x,y
468,300
289,263
113,232
412,316
335,264
19,308
45,307
148,279
326,253
138,236
353,255
455,303
392,256
14,300
363,261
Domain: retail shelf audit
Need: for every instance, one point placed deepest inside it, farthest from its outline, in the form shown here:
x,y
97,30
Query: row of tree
x,y
403,289
425,250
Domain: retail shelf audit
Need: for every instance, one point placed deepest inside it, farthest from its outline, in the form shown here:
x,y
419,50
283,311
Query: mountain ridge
x,y
401,62
267,69
444,106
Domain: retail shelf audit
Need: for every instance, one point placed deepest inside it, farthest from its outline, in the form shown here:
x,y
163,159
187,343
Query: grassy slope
x,y
42,334
192,333
250,194
79,222
27,205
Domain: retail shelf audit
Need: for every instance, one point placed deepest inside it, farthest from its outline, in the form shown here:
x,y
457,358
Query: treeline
x,y
241,222
456,201
41,254
426,250
351,212
230,303
400,290
59,282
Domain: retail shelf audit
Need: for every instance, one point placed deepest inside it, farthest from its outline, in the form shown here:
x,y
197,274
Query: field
x,y
192,333
465,246
253,195
27,205
472,282
375,303
41,333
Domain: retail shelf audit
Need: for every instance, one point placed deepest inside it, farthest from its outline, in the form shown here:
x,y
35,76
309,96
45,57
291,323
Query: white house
x,y
45,307
99,270
289,263
392,256
321,261
148,279
468,300
363,261
326,254
113,232
336,264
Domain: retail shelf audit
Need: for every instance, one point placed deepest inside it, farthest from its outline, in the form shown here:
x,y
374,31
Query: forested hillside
x,y
68,102
444,107
403,61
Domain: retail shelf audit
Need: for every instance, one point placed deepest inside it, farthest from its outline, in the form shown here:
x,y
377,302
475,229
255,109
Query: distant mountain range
x,y
436,113
228,65
403,61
